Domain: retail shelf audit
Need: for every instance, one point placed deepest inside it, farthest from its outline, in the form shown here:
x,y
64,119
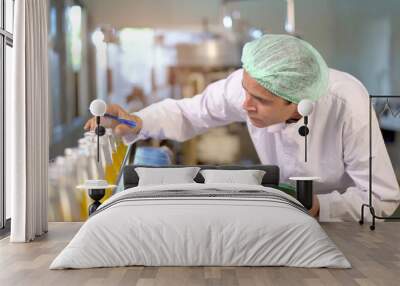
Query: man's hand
x,y
314,211
119,129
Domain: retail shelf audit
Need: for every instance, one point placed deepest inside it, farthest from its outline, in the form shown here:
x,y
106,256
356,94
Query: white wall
x,y
268,15
154,13
357,36
367,36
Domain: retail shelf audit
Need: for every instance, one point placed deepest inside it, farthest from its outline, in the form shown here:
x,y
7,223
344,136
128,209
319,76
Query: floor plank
x,y
374,255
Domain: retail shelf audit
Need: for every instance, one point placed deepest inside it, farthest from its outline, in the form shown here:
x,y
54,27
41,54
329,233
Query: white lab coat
x,y
338,149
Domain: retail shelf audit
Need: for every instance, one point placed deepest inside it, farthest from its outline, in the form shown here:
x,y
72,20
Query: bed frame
x,y
128,177
270,179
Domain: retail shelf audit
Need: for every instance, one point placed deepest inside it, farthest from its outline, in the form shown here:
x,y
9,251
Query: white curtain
x,y
27,130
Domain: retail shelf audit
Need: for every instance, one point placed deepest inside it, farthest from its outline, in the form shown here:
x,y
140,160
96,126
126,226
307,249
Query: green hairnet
x,y
286,66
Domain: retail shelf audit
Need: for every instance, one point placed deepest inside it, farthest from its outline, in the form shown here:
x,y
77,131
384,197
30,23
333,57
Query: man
x,y
278,71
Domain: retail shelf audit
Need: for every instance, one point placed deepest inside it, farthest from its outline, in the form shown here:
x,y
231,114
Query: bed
x,y
201,224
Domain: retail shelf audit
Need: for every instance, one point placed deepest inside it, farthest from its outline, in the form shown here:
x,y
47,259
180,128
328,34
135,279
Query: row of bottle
x,y
66,202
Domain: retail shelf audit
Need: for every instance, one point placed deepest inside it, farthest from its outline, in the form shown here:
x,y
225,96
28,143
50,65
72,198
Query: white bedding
x,y
183,231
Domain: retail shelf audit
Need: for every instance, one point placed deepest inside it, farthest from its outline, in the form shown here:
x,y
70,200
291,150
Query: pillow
x,y
248,177
163,176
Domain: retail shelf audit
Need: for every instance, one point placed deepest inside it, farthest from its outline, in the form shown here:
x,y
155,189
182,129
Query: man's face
x,y
263,107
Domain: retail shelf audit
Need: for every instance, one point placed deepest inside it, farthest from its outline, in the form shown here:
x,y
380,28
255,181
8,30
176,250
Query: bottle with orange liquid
x,y
110,172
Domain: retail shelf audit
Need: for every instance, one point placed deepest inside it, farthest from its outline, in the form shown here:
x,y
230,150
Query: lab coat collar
x,y
275,128
289,127
283,127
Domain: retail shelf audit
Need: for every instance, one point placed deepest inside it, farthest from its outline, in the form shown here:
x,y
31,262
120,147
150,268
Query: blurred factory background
x,y
135,53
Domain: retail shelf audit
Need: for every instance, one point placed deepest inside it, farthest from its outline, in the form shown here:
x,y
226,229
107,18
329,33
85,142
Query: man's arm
x,y
219,104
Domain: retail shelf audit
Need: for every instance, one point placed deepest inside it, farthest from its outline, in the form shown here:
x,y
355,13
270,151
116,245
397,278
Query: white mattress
x,y
183,231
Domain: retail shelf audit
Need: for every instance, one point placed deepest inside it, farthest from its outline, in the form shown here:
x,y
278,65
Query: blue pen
x,y
120,120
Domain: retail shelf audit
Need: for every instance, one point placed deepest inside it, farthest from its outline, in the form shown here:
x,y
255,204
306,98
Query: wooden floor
x,y
375,257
